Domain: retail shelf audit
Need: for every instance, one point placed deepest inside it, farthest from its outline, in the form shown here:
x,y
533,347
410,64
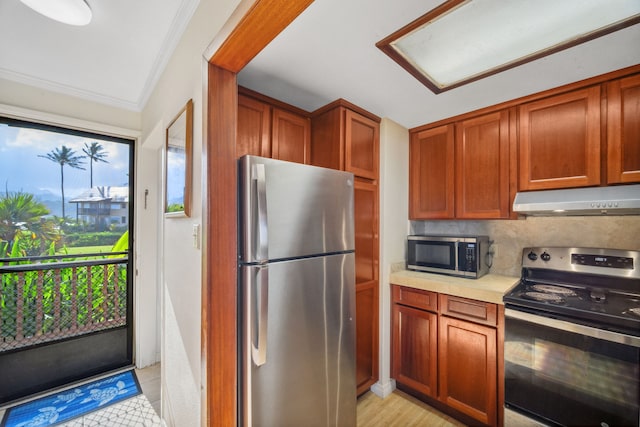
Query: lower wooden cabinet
x,y
445,351
468,368
366,335
415,349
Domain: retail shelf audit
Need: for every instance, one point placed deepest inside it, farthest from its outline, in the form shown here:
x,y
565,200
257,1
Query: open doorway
x,y
66,228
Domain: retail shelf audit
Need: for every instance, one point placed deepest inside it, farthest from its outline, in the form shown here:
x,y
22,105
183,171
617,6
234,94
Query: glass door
x,y
66,228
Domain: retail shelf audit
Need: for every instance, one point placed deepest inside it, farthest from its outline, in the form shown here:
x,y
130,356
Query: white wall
x,y
64,106
180,266
394,211
148,207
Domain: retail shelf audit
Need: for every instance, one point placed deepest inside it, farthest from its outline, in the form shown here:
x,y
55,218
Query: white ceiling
x,y
115,60
327,53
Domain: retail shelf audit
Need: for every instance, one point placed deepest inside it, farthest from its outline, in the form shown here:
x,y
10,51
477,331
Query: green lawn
x,y
87,250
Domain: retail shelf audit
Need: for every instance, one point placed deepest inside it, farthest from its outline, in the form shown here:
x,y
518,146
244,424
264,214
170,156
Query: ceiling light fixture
x,y
72,12
461,41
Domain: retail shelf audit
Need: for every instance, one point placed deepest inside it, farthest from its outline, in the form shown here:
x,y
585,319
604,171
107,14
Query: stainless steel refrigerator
x,y
297,290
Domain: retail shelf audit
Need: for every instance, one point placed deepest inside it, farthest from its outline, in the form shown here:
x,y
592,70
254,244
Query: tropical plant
x,y
22,215
81,295
64,156
95,153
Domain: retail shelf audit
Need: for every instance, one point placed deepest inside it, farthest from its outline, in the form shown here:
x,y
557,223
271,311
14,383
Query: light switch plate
x,y
196,235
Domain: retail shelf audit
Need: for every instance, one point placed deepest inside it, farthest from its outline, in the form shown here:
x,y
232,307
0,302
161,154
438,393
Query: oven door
x,y
566,374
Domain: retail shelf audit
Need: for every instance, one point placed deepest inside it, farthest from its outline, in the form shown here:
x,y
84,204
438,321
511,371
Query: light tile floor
x,y
140,411
149,379
143,410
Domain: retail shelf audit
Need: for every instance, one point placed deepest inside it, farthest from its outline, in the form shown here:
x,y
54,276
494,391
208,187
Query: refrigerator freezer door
x,y
308,375
305,210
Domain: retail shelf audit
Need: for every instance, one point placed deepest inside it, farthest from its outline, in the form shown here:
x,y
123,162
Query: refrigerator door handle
x,y
259,353
262,249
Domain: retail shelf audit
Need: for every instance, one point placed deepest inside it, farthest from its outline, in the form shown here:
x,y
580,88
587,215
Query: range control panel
x,y
602,261
611,262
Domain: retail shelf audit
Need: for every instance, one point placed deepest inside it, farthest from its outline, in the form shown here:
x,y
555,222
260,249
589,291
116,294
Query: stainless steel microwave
x,y
464,256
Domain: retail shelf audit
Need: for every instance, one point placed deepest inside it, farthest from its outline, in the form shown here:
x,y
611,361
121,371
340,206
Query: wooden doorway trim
x,y
254,25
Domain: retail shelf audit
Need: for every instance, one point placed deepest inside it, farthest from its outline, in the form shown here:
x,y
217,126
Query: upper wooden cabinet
x,y
431,173
254,127
461,170
291,136
268,130
347,138
579,135
362,142
623,130
482,167
559,141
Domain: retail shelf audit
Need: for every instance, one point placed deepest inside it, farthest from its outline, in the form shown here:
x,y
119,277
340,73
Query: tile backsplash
x,y
511,236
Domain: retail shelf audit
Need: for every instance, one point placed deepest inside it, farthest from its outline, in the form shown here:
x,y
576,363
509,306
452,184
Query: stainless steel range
x,y
572,338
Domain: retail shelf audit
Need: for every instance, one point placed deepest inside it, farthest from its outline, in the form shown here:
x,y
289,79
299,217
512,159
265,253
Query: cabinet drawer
x,y
417,298
469,309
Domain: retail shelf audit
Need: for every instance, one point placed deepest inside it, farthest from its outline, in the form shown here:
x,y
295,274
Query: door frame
x,y
254,24
130,331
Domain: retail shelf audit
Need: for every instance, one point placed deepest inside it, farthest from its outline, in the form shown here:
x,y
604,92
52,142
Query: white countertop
x,y
488,288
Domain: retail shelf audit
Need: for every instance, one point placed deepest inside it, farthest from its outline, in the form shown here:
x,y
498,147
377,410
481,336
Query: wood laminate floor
x,y
400,409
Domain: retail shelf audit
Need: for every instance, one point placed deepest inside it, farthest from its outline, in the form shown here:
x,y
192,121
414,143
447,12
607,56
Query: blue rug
x,y
65,405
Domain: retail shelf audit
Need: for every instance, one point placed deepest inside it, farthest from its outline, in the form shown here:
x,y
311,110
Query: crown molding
x,y
169,44
68,90
20,113
166,50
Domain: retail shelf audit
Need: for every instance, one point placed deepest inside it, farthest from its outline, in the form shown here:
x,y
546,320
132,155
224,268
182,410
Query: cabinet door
x,y
362,136
623,130
431,166
365,196
415,349
482,167
254,127
366,246
327,139
468,368
366,335
290,137
559,141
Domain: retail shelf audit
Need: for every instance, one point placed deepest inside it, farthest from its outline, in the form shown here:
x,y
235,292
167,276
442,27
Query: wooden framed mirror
x,y
178,163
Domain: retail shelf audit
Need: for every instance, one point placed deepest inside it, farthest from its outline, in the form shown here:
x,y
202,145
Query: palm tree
x,y
21,213
64,156
95,154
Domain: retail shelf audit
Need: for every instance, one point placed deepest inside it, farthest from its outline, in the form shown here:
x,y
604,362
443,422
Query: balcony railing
x,y
45,299
94,211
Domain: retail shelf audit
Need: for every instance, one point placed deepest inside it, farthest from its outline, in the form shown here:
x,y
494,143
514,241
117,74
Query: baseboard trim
x,y
384,390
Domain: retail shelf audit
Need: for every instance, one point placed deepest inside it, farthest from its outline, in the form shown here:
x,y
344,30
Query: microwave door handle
x,y
456,265
262,247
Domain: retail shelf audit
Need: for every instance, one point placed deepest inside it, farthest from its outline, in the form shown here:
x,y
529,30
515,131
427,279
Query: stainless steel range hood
x,y
613,200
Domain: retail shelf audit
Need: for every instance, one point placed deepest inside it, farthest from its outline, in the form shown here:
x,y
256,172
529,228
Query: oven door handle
x,y
574,327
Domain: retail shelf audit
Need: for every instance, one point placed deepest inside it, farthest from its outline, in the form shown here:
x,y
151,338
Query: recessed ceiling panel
x,y
464,40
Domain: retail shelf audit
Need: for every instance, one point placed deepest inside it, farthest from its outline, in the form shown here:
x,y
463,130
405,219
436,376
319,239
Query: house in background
x,y
103,206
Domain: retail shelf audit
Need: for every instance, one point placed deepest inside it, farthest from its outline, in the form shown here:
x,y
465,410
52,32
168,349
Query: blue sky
x,y
22,170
